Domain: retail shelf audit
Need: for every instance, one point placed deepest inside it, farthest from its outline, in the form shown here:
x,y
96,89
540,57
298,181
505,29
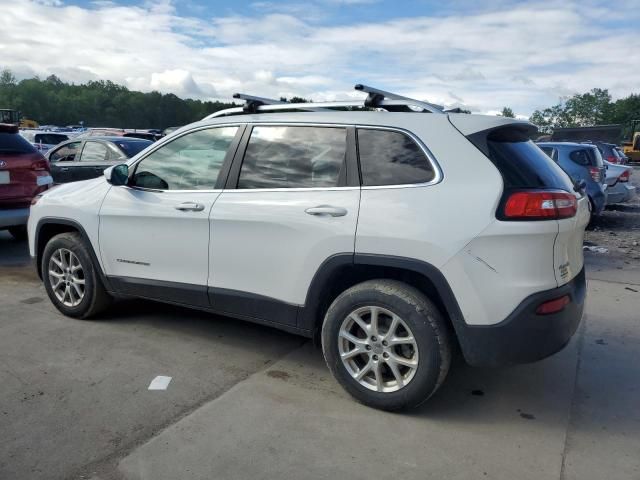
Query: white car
x,y
391,237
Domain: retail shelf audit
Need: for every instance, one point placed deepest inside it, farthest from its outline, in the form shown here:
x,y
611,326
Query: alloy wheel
x,y
66,277
378,349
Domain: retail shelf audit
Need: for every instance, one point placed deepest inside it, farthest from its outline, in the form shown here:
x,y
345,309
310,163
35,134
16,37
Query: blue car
x,y
582,161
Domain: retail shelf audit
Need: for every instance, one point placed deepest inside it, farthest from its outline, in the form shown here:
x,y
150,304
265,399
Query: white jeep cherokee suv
x,y
392,237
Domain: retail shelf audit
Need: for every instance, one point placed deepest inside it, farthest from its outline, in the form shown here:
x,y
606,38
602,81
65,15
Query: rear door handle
x,y
322,210
64,169
190,207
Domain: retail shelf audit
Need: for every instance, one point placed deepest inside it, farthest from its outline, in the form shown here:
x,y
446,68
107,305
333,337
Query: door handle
x,y
190,207
322,210
64,169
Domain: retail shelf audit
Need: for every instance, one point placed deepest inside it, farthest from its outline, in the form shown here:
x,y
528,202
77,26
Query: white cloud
x,y
524,56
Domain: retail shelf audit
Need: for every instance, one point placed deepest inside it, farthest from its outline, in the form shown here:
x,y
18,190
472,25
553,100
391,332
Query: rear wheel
x,y
19,232
387,344
70,277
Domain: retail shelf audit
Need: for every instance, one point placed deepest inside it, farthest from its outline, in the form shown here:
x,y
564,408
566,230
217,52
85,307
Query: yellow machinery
x,y
632,149
27,123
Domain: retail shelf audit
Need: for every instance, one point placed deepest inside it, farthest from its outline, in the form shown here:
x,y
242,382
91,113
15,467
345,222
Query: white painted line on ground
x,y
159,383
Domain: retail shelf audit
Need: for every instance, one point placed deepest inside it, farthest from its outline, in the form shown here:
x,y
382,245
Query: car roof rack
x,y
376,98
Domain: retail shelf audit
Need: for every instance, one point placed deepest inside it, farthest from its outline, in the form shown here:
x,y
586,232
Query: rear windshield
x,y
520,161
12,143
50,138
133,148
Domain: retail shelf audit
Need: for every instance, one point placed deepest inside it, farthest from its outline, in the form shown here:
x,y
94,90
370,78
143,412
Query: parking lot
x,y
246,401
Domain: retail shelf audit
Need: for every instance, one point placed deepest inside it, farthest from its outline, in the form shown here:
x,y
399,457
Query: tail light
x,y
540,205
624,177
612,159
553,306
595,174
40,165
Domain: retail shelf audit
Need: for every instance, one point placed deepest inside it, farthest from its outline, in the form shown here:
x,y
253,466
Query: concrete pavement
x,y
250,402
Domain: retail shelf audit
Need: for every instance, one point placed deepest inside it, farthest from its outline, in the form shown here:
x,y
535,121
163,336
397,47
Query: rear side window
x,y
391,158
94,152
582,157
293,157
520,161
12,143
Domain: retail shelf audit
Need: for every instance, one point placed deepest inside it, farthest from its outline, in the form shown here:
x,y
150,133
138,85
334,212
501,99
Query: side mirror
x,y
117,175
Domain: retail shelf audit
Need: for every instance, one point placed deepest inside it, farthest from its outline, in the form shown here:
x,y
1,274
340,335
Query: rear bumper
x,y
13,217
525,336
621,192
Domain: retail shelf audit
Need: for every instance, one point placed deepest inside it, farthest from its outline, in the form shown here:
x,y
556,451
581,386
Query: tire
x,y
68,251
19,232
429,354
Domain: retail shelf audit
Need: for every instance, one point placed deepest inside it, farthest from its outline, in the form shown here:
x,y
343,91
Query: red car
x,y
24,173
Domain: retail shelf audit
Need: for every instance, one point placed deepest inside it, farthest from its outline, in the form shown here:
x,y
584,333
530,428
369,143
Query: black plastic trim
x,y
231,181
308,314
250,305
175,292
71,223
432,273
352,165
227,164
525,336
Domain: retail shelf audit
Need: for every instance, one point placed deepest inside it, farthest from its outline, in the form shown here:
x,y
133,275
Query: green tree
x,y
507,112
99,104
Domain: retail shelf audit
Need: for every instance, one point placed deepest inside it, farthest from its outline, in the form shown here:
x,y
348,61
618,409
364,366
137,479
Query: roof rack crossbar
x,y
253,104
376,96
376,99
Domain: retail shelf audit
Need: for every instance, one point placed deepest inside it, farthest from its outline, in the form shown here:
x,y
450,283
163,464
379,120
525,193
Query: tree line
x,y
99,104
104,103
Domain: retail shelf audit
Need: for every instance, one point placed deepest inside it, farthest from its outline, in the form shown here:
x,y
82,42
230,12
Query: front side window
x,y
391,158
293,157
67,153
94,152
190,162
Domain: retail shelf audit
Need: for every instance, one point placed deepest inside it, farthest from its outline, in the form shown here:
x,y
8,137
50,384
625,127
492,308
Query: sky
x,y
482,55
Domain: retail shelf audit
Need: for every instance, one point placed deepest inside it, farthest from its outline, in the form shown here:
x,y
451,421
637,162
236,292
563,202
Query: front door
x,y
287,216
62,161
154,232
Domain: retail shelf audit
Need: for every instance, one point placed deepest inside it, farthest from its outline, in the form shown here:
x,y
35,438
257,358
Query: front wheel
x,y
387,344
70,277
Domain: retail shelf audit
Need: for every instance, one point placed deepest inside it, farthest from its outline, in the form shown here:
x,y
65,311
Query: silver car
x,y
619,189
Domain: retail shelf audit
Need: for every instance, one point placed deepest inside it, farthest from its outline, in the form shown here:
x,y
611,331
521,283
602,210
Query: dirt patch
x,y
279,374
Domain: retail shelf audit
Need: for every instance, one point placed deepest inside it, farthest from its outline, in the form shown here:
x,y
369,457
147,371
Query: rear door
x,y
286,210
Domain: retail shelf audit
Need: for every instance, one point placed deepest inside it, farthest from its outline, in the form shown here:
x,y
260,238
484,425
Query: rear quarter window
x,y
391,158
584,157
12,143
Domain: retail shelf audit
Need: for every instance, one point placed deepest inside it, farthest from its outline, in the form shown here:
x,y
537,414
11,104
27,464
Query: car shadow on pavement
x,y
191,322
